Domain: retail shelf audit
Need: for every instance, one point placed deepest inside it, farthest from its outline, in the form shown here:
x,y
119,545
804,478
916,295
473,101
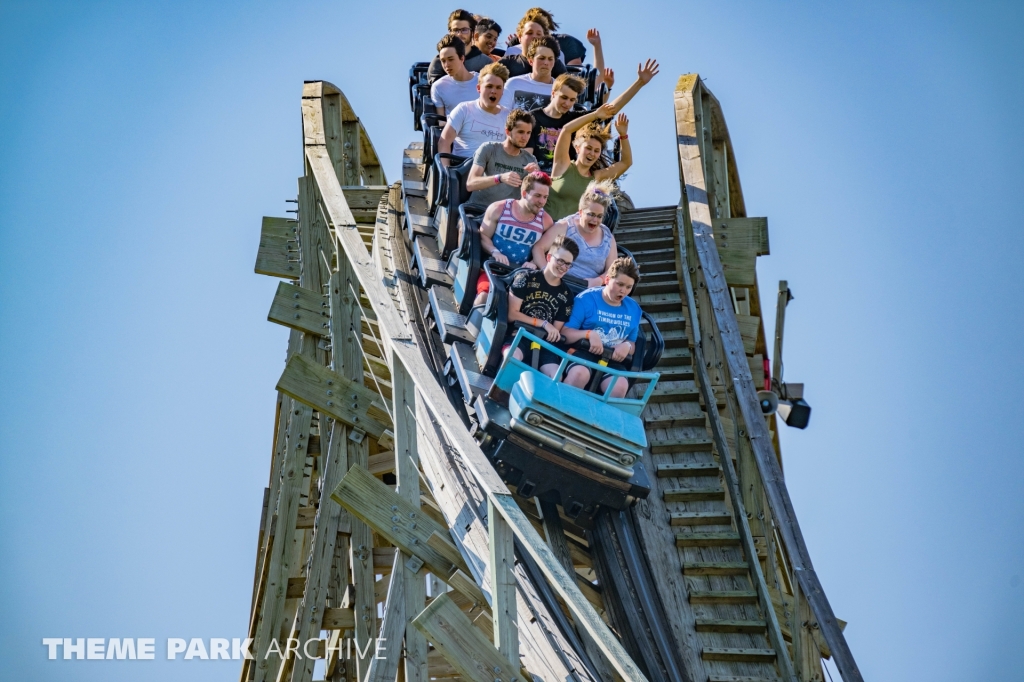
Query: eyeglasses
x,y
561,264
460,30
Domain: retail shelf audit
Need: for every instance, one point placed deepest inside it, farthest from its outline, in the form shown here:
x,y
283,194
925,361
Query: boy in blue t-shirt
x,y
605,316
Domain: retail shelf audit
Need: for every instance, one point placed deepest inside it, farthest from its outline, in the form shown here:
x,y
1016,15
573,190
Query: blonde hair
x,y
494,69
574,83
594,131
598,193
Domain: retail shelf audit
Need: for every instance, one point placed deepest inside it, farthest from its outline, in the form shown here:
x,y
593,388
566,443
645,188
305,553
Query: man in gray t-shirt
x,y
499,167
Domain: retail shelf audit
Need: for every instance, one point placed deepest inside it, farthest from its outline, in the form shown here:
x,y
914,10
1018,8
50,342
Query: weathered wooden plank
x,y
462,644
404,408
392,630
503,584
393,517
300,309
338,619
277,240
334,395
739,242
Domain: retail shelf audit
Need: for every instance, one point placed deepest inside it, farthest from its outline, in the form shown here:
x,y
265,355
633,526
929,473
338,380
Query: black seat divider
x,y
452,194
495,310
468,256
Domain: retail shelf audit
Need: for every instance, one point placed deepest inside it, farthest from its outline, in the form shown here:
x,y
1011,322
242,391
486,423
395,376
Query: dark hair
x,y
462,15
624,266
518,116
568,243
452,40
544,41
542,17
485,24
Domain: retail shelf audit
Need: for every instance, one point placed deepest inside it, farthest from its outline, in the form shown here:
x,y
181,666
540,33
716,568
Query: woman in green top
x,y
570,178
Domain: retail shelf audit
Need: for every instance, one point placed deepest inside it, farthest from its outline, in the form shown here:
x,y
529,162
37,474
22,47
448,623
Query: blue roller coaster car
x,y
577,447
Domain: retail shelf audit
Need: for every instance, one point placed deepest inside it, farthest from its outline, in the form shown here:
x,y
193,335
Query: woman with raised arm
x,y
571,178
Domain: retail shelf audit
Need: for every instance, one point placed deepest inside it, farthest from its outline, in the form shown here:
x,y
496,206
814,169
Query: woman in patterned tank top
x,y
596,242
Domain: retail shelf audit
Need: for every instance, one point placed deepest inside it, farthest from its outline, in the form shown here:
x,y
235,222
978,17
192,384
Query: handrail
x,y
566,358
696,209
401,350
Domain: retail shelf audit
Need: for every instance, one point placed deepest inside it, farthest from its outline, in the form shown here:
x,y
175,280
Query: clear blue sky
x,y
140,143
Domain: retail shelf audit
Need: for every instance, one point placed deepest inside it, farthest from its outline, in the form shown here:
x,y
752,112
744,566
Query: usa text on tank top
x,y
515,238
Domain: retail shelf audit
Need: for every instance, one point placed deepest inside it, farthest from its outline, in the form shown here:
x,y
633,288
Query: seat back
x,y
494,323
452,194
432,125
468,256
417,76
647,358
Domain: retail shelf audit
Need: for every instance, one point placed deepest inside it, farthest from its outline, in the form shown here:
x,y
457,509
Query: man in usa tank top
x,y
511,227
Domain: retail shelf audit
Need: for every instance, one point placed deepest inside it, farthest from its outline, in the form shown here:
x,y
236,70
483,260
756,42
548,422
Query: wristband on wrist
x,y
623,137
497,179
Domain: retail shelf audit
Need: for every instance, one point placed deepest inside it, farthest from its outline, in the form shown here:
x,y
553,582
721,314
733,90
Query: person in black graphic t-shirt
x,y
541,299
548,121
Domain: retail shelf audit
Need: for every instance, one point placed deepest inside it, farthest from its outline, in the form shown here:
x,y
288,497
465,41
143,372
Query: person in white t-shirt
x,y
459,83
470,124
542,54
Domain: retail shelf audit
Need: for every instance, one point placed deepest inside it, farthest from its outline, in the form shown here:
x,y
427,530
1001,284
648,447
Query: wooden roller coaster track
x,y
389,548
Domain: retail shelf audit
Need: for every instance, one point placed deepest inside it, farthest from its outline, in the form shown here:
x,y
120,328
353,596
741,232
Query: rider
x,y
595,241
540,298
542,55
529,29
470,124
485,37
606,317
459,83
559,111
462,24
571,178
499,167
510,228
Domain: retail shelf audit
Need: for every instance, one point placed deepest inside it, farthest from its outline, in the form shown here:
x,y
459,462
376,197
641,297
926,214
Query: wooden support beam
x,y
405,408
394,518
503,584
277,242
462,644
300,309
332,394
392,629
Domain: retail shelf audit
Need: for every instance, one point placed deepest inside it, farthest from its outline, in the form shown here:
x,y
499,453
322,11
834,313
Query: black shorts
x,y
596,359
546,356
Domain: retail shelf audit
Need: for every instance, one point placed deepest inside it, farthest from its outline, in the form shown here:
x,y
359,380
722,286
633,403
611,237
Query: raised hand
x,y
622,125
605,111
648,70
609,77
594,37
